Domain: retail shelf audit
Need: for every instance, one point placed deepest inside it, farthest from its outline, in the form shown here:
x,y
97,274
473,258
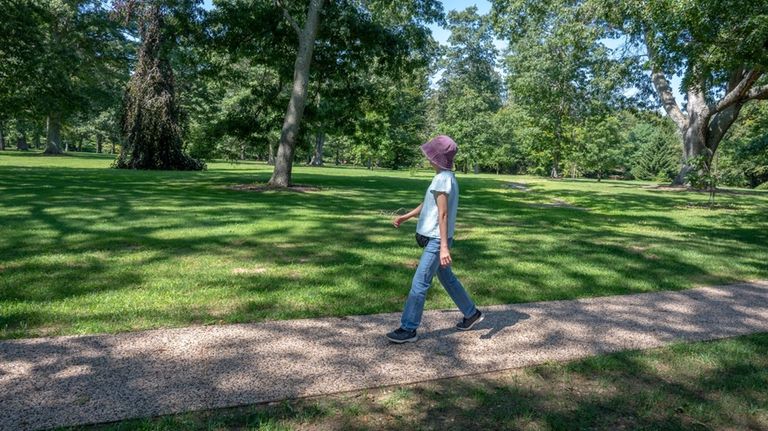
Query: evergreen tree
x,y
658,155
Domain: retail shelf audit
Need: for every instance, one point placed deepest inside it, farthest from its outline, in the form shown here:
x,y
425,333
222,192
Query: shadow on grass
x,y
70,233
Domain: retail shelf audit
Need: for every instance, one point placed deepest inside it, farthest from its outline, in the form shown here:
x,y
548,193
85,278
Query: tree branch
x,y
737,93
288,17
668,98
736,76
664,89
758,93
720,124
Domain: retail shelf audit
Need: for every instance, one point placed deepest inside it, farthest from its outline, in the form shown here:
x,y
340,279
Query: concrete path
x,y
49,382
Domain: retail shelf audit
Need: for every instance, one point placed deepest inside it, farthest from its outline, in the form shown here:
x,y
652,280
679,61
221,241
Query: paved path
x,y
48,382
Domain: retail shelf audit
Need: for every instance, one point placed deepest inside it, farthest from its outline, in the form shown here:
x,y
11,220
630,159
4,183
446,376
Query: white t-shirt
x,y
444,182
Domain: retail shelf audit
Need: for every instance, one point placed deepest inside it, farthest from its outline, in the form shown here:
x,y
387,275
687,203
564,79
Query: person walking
x,y
434,232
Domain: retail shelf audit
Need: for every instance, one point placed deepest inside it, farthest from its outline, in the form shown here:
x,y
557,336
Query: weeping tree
x,y
150,120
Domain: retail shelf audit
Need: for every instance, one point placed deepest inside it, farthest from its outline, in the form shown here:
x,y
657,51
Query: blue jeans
x,y
428,266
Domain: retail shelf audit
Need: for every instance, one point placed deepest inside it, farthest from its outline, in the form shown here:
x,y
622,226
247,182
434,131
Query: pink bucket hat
x,y
440,151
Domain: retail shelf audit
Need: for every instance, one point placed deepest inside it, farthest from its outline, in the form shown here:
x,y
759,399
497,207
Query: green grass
x,y
699,386
87,249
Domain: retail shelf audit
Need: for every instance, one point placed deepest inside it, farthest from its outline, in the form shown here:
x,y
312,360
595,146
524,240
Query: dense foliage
x,y
554,88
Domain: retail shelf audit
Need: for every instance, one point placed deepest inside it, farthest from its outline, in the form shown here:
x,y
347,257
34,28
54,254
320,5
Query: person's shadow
x,y
494,321
499,320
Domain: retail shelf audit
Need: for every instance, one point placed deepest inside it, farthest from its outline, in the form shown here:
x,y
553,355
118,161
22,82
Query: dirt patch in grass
x,y
559,203
254,270
260,187
643,251
517,186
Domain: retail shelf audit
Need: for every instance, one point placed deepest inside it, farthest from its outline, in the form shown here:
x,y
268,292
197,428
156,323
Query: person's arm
x,y
413,213
442,222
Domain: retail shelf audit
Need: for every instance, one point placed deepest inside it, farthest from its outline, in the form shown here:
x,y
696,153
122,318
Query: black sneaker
x,y
401,336
468,322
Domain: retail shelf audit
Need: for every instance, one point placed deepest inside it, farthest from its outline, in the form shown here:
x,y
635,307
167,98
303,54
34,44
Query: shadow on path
x,y
48,382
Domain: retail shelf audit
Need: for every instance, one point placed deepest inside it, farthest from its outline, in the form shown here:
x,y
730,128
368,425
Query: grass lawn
x,y
88,249
700,386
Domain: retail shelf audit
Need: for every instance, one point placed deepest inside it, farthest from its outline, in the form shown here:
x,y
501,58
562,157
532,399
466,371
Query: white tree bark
x,y
703,125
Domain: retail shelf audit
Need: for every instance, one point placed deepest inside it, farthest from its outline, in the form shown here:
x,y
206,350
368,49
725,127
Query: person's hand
x,y
397,221
445,257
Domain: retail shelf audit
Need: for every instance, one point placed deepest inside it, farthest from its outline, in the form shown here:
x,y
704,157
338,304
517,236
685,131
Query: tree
x,y
355,43
719,47
397,16
558,70
655,147
600,146
281,176
744,157
470,88
21,43
59,59
150,119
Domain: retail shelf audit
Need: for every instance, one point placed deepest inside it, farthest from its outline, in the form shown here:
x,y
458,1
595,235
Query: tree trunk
x,y
112,150
702,135
555,162
36,137
271,155
53,140
21,141
476,168
704,124
317,158
98,143
281,176
2,139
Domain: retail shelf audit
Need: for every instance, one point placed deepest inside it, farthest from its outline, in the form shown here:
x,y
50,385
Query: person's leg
x,y
457,292
425,272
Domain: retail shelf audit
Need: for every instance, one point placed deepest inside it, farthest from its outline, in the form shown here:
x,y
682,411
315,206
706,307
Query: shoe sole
x,y
407,340
480,319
